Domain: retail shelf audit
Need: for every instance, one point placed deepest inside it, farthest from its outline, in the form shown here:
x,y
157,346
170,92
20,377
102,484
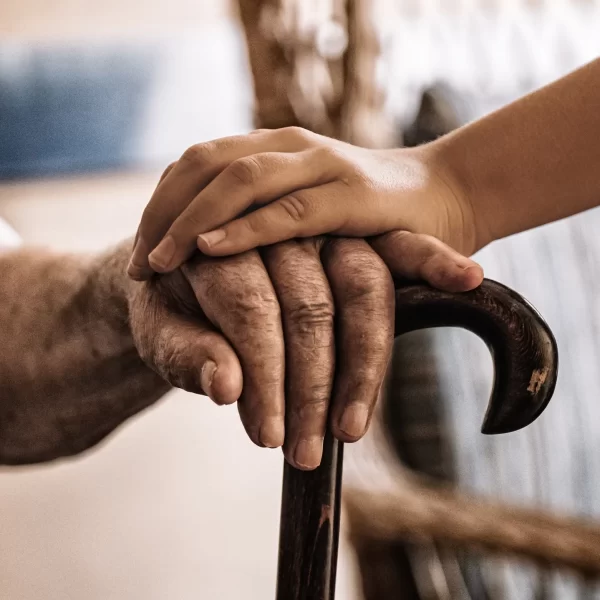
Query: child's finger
x,y
137,233
197,167
254,179
301,214
419,256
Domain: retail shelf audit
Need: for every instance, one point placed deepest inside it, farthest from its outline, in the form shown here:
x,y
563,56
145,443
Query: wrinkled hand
x,y
301,184
307,335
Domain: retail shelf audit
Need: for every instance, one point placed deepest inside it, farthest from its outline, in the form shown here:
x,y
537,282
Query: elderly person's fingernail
x,y
212,238
160,258
354,420
457,277
209,368
308,453
272,432
474,274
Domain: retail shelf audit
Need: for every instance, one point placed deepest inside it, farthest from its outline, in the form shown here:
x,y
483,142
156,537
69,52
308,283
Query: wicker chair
x,y
417,533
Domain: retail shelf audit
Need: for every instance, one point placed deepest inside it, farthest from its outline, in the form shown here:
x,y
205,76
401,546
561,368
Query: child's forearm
x,y
534,161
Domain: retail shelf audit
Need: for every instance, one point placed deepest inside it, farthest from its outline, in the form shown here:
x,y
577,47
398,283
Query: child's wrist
x,y
468,224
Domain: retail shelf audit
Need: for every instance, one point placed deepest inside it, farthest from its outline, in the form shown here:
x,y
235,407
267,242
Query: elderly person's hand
x,y
75,333
308,329
271,330
295,317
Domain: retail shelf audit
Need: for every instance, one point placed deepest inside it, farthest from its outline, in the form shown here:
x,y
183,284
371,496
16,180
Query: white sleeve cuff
x,y
9,238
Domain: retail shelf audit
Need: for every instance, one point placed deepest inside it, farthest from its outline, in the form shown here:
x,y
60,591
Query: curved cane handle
x,y
522,346
526,362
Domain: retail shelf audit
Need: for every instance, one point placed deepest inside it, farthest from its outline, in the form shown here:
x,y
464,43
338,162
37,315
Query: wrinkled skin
x,y
311,322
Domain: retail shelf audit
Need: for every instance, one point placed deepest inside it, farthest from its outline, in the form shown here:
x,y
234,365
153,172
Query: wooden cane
x,y
525,360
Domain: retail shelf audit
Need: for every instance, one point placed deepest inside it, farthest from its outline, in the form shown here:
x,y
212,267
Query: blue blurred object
x,y
67,108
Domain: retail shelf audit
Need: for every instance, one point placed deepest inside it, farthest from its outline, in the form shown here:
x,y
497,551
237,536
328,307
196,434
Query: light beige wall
x,y
76,18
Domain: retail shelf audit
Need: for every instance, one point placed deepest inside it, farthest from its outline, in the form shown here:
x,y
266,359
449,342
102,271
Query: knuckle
x,y
249,308
191,219
372,290
199,154
261,130
330,154
429,252
153,214
427,241
250,225
377,268
406,251
159,345
163,356
314,405
296,206
245,171
299,134
366,277
419,244
172,366
168,170
400,238
306,315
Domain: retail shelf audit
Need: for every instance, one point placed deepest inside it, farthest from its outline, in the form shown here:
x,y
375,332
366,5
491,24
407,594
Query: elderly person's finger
x,y
307,313
419,256
363,292
237,296
183,348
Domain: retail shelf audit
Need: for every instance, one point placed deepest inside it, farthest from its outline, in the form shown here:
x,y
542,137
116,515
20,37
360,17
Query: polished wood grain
x,y
522,346
309,530
525,361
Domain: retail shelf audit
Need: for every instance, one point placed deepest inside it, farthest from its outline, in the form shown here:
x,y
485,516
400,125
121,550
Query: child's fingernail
x,y
160,258
135,268
212,238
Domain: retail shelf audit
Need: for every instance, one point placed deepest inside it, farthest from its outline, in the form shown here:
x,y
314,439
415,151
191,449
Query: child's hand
x,y
300,184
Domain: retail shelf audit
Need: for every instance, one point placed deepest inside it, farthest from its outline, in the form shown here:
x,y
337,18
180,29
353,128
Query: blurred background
x,y
95,100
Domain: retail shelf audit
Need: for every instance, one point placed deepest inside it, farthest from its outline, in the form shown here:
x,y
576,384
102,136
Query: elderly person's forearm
x,y
66,350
